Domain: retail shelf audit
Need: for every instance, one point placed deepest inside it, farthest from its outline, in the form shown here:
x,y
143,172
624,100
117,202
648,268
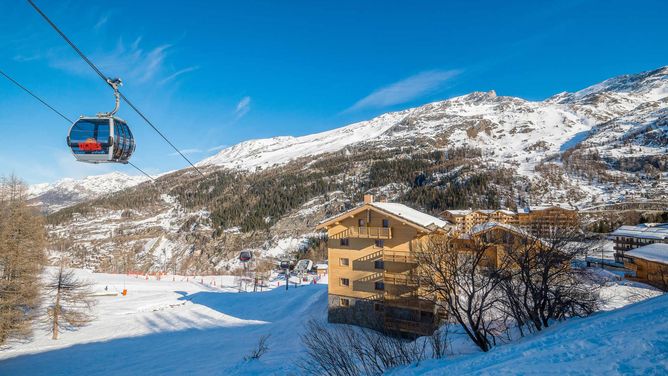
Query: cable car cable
x,y
35,96
58,112
140,170
106,79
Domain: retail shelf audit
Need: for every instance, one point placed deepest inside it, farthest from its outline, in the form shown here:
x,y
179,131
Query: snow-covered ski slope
x,y
629,341
175,328
186,327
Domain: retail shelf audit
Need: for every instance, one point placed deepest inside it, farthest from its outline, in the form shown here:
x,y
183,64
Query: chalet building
x,y
649,264
497,238
627,238
537,220
371,267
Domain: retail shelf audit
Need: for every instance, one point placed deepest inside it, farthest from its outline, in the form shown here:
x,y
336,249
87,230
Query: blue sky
x,y
211,74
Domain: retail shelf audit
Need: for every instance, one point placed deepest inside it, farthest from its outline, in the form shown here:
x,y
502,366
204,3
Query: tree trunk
x,y
56,308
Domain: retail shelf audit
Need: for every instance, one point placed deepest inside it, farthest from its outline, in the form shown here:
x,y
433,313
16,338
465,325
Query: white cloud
x,y
186,152
178,73
101,22
242,107
132,62
216,148
405,90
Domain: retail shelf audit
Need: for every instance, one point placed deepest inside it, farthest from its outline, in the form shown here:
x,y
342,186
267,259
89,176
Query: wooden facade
x,y
536,219
372,268
651,272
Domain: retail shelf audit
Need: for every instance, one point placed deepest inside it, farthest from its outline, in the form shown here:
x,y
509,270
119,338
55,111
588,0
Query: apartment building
x,y
538,219
372,268
627,238
465,220
541,219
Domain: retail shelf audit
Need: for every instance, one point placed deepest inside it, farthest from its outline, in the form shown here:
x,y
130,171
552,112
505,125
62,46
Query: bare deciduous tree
x,y
544,285
22,242
72,301
460,278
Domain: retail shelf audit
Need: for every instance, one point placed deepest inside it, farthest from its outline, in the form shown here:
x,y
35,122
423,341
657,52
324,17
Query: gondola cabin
x,y
245,256
102,139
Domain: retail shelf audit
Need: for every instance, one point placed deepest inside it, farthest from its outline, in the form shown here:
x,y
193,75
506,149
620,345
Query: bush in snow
x,y
343,350
260,349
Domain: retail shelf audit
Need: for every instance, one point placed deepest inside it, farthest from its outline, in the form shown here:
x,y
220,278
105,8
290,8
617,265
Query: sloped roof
x,y
410,214
459,212
477,229
483,227
533,208
644,231
656,252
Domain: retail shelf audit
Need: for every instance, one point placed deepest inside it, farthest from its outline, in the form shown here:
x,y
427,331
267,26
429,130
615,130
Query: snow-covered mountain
x,y
511,130
66,192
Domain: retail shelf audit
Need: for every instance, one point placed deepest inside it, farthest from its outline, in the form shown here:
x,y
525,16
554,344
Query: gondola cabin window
x,y
90,137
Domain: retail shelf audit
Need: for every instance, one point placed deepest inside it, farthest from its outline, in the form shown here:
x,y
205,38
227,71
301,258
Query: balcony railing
x,y
400,279
401,257
365,233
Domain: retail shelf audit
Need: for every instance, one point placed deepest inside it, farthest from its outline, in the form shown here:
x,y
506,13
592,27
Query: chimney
x,y
368,199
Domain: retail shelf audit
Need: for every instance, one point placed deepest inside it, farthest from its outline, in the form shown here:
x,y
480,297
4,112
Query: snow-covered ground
x,y
203,326
629,341
174,327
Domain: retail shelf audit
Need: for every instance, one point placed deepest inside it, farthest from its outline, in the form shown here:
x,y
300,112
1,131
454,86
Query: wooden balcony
x,y
400,257
365,233
411,302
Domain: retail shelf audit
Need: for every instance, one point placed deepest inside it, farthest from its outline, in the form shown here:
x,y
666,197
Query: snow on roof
x,y
459,212
644,231
489,225
483,211
321,266
532,208
657,252
410,214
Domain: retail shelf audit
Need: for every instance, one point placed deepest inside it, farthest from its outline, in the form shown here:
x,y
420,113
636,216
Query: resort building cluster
x,y
373,267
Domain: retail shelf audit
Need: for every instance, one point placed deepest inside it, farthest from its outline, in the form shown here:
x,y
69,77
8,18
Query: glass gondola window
x,y
128,147
118,140
90,137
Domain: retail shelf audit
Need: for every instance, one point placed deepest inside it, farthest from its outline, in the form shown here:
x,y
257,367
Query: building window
x,y
380,285
345,242
377,307
361,223
379,243
343,302
386,223
379,264
344,282
344,262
